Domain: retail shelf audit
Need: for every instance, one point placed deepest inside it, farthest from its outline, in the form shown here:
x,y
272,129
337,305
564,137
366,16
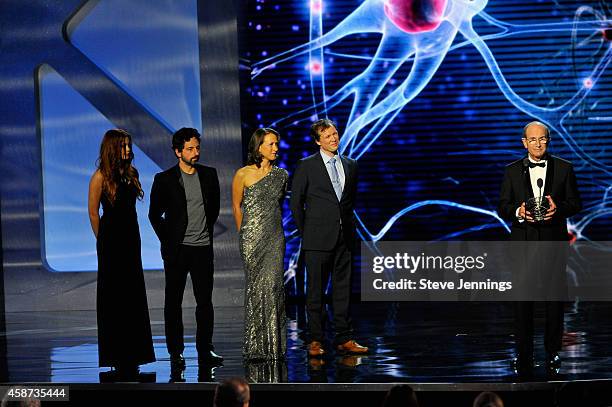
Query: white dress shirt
x,y
534,174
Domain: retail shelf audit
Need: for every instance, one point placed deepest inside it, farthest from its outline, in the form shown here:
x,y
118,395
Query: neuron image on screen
x,y
431,97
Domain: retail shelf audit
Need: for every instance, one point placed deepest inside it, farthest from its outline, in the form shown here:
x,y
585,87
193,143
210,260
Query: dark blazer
x,y
560,184
168,206
315,207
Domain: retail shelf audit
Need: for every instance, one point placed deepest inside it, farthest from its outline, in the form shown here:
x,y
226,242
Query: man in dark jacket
x,y
183,210
540,174
322,202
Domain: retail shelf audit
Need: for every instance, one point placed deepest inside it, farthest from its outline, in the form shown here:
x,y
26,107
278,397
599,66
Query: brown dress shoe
x,y
351,346
315,349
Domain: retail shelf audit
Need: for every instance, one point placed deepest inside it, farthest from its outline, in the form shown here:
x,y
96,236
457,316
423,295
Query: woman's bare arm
x,y
93,201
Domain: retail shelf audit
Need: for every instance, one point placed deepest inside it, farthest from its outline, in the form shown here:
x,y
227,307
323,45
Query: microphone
x,y
540,205
540,183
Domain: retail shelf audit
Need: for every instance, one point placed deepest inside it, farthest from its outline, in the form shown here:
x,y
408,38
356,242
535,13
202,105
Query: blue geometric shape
x,y
150,49
71,133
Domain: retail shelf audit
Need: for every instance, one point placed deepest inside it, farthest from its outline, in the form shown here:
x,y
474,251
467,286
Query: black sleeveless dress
x,y
124,329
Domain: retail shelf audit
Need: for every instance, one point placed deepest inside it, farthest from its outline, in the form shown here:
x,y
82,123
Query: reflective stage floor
x,y
463,343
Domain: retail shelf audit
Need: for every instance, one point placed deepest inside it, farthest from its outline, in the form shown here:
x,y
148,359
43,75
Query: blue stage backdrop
x,y
431,97
74,69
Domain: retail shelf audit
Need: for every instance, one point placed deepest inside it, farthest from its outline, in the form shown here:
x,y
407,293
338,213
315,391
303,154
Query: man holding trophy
x,y
538,194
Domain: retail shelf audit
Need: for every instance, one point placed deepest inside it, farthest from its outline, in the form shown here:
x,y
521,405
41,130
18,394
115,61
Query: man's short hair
x,y
232,392
400,395
488,399
319,125
183,135
535,122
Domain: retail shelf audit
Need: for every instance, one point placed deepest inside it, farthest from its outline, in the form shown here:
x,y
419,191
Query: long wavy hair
x,y
113,167
256,141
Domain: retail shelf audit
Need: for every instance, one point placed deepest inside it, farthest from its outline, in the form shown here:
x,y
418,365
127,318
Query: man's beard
x,y
192,162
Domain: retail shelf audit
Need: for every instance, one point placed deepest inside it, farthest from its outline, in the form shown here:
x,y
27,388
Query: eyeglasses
x,y
542,140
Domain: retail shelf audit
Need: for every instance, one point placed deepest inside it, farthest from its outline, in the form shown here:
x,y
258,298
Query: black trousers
x,y
553,329
319,266
544,278
198,261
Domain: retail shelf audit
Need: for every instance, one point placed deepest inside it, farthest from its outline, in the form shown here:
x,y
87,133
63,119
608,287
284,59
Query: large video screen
x,y
431,98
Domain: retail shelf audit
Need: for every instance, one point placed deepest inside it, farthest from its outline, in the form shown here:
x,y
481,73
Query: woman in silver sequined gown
x,y
257,191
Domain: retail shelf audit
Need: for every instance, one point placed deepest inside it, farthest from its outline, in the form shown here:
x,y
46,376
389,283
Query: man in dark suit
x,y
539,174
183,210
322,202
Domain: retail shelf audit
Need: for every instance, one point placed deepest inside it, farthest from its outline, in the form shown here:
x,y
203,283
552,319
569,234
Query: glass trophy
x,y
537,206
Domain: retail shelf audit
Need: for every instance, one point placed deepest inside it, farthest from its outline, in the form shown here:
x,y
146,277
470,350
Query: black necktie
x,y
540,164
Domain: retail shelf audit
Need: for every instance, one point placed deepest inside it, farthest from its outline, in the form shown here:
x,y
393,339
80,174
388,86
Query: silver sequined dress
x,y
262,247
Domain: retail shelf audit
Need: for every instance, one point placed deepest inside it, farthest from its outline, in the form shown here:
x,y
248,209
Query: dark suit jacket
x,y
560,184
168,206
315,207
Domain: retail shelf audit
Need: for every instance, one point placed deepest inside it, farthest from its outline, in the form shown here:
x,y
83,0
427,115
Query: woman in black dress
x,y
124,330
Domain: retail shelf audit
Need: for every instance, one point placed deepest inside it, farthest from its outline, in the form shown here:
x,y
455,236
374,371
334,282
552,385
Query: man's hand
x,y
525,214
551,210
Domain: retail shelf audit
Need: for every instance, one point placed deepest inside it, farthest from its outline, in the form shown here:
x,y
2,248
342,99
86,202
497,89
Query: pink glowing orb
x,y
316,6
315,67
415,16
588,83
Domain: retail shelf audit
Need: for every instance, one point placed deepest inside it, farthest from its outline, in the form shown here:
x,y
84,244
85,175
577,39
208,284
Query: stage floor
x,y
440,343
